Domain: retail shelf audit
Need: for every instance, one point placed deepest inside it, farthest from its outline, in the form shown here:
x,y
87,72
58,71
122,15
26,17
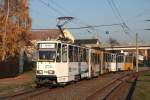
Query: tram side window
x,y
131,59
113,58
108,57
71,53
84,55
99,55
87,55
128,59
93,57
120,59
79,55
75,54
98,58
105,57
58,53
64,53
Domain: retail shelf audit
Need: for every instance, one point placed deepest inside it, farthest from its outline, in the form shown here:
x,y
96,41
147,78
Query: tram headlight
x,y
51,71
39,71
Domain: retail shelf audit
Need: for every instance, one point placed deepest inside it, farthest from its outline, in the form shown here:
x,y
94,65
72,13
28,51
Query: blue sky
x,y
95,12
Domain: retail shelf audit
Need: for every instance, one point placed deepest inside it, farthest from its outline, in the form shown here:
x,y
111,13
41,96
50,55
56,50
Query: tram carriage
x,y
110,62
95,63
60,63
128,65
124,62
120,59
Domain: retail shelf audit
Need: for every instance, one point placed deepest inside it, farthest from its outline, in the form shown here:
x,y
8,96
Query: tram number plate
x,y
45,71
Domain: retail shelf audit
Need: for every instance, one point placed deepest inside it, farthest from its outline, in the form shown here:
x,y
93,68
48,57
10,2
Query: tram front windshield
x,y
47,55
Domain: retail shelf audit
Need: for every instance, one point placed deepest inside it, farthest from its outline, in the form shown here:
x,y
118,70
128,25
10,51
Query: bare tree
x,y
113,42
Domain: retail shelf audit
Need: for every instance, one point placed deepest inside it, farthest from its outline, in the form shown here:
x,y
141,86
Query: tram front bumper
x,y
41,79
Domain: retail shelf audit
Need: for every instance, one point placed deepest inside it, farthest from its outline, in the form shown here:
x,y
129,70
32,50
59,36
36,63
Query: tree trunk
x,y
21,60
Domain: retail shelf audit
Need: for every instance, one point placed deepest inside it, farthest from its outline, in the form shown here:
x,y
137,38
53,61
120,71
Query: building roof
x,y
92,43
87,41
44,34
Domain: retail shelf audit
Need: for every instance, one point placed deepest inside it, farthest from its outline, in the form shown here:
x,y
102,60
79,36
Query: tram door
x,y
95,63
128,63
120,62
83,64
113,62
93,68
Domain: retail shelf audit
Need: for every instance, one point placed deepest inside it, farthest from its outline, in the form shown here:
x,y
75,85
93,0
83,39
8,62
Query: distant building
x,y
49,34
91,43
143,54
44,35
55,34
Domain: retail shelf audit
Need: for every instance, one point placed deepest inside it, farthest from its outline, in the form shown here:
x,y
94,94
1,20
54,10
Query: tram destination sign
x,y
46,45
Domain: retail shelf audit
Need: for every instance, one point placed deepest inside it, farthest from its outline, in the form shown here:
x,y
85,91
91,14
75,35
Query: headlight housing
x,y
51,72
39,71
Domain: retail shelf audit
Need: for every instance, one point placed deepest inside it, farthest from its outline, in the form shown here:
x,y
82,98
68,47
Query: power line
x,y
116,12
54,9
115,7
64,10
121,18
86,26
110,4
93,26
139,15
118,15
61,7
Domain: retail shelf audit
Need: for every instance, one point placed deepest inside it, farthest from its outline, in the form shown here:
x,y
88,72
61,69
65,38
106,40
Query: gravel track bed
x,y
79,90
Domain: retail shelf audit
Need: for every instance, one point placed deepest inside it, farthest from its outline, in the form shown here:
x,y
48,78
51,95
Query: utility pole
x,y
137,53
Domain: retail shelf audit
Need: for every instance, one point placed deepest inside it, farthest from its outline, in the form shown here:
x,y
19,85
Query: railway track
x,y
113,88
24,94
120,88
104,92
32,93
